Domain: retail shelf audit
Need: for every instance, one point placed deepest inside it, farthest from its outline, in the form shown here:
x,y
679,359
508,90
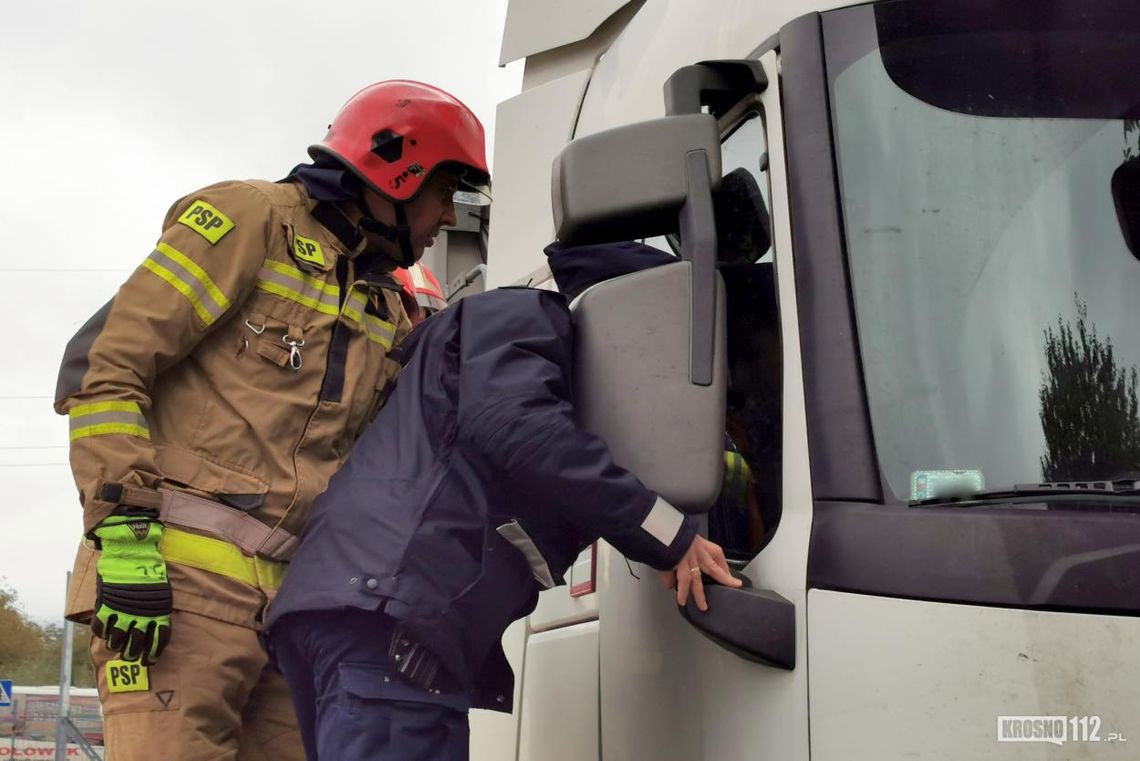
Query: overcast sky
x,y
111,111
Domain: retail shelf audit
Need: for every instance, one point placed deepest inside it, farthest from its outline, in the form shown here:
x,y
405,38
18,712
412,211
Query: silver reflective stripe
x,y
189,279
112,416
517,535
295,285
663,522
107,418
377,330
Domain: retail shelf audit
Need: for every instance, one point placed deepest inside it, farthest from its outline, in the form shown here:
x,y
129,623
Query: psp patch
x,y
308,250
207,221
126,676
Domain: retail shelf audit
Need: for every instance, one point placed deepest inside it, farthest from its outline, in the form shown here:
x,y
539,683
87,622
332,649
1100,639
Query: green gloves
x,y
133,600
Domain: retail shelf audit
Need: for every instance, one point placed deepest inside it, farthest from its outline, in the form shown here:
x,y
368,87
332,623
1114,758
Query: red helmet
x,y
422,293
394,134
429,294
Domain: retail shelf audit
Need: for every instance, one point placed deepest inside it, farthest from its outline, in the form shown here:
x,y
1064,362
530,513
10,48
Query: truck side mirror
x,y
650,365
631,380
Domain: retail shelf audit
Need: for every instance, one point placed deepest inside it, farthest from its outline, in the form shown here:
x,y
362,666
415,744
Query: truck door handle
x,y
755,624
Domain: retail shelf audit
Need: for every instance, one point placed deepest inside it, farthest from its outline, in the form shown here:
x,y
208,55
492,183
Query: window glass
x,y
748,510
994,291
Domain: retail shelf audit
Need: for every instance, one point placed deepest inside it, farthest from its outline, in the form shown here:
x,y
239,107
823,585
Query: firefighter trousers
x,y
211,695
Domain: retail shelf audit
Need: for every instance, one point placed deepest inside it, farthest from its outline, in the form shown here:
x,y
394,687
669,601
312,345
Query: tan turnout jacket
x,y
239,362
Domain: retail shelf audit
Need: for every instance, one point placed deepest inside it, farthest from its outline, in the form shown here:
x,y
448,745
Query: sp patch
x,y
308,250
126,676
207,221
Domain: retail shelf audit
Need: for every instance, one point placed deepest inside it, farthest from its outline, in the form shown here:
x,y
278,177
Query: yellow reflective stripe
x,y
91,408
190,280
745,470
109,428
199,274
737,477
296,274
737,465
355,304
217,556
378,331
293,284
105,418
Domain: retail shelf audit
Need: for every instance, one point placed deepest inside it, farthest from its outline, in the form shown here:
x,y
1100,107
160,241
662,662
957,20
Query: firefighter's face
x,y
431,209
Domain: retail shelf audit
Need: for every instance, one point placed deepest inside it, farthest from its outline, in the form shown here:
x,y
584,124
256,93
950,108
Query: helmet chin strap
x,y
398,233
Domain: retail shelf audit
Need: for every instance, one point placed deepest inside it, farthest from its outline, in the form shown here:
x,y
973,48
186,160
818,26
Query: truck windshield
x,y
984,155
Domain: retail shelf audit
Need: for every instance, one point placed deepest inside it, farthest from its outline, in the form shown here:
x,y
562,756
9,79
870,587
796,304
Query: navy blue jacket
x,y
479,430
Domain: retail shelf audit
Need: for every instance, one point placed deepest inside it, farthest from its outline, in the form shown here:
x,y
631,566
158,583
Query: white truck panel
x,y
559,712
625,86
532,128
907,679
668,34
535,26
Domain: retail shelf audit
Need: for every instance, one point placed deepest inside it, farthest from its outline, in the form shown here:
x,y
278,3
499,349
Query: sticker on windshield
x,y
931,484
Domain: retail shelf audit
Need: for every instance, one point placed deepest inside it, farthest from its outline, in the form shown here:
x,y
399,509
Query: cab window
x,y
747,513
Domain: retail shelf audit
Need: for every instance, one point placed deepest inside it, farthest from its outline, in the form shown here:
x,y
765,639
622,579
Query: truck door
x,y
668,691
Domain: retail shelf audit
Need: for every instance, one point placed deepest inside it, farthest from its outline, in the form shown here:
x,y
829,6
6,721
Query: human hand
x,y
702,556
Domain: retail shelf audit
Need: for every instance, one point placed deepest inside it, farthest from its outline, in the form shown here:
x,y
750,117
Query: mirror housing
x,y
630,182
632,386
715,84
650,359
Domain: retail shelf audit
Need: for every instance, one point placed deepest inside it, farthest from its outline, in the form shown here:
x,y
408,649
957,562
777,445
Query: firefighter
x,y
213,397
473,489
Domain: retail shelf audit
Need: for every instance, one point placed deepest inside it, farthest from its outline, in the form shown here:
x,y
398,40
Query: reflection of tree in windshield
x,y
1131,126
1088,406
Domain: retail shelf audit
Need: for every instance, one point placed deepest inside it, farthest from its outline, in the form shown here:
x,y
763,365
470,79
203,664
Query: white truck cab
x,y
908,253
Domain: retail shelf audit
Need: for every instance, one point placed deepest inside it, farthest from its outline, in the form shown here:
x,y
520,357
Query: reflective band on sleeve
x,y
190,280
378,330
104,418
663,522
293,284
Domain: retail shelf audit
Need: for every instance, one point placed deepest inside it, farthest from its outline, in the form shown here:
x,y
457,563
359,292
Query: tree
x,y
29,652
1088,406
20,640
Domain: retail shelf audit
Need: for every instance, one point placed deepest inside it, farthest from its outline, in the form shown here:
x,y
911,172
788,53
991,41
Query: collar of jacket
x,y
326,187
325,183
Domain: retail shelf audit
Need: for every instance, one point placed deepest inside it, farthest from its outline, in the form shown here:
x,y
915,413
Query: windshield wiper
x,y
1119,488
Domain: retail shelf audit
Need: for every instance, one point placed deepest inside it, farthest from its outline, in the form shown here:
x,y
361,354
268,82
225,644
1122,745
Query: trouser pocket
x,y
378,715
